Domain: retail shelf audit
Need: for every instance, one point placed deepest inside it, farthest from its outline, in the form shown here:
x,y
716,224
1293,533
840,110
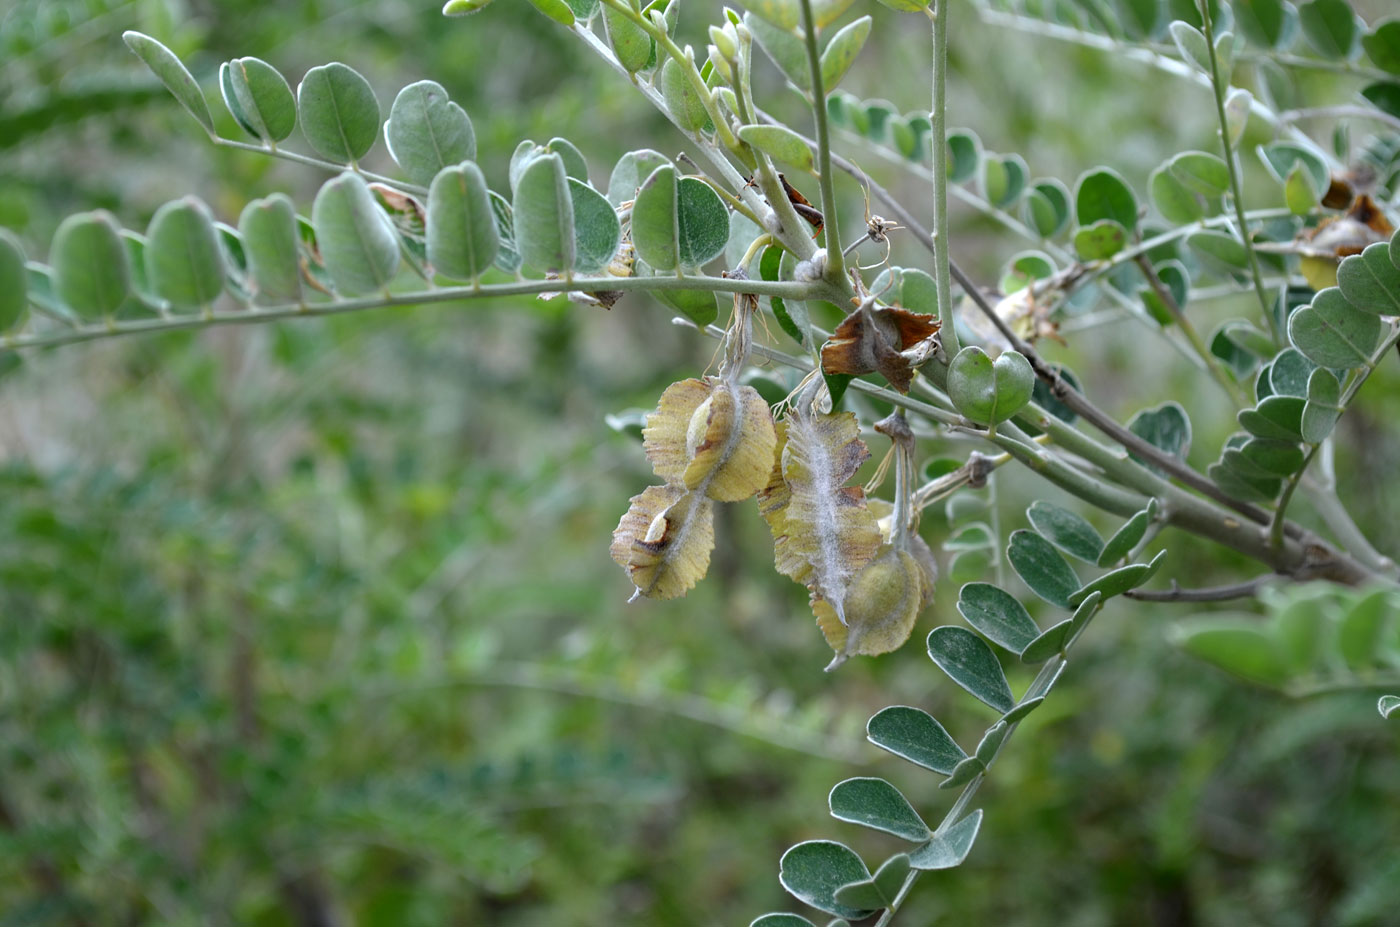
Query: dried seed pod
x,y
923,555
823,532
664,541
713,437
880,605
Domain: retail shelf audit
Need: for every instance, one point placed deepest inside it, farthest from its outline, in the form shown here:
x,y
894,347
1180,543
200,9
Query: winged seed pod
x,y
713,437
880,605
711,440
664,541
823,531
878,608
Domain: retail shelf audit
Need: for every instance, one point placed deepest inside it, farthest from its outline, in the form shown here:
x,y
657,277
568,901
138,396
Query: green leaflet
x,y
358,243
1103,194
184,262
1332,332
90,271
14,281
631,170
813,872
339,112
970,663
840,53
544,215
630,43
259,98
683,101
597,231
678,223
461,227
782,143
916,736
270,242
427,132
173,74
876,804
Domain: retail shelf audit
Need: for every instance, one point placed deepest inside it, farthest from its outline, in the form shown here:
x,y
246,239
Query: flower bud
x,y
721,65
726,40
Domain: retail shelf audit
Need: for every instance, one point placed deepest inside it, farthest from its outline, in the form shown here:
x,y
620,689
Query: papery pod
x,y
883,510
713,437
823,531
880,605
664,541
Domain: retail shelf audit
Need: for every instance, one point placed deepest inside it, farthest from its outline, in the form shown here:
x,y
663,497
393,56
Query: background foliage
x,y
320,614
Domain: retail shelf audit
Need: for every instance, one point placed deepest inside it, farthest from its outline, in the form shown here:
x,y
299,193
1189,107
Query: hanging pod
x,y
880,605
664,541
713,437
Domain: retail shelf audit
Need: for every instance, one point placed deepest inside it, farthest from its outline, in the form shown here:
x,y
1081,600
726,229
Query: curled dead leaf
x,y
891,342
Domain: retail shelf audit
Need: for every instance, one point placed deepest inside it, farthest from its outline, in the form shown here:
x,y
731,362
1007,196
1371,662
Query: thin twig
x,y
948,330
835,260
293,156
1341,112
1236,187
1176,593
784,289
1212,363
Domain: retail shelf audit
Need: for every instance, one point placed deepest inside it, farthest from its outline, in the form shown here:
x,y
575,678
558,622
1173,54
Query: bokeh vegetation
x,y
317,619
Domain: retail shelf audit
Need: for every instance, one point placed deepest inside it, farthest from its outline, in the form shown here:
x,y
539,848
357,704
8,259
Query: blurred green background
x,y
316,624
